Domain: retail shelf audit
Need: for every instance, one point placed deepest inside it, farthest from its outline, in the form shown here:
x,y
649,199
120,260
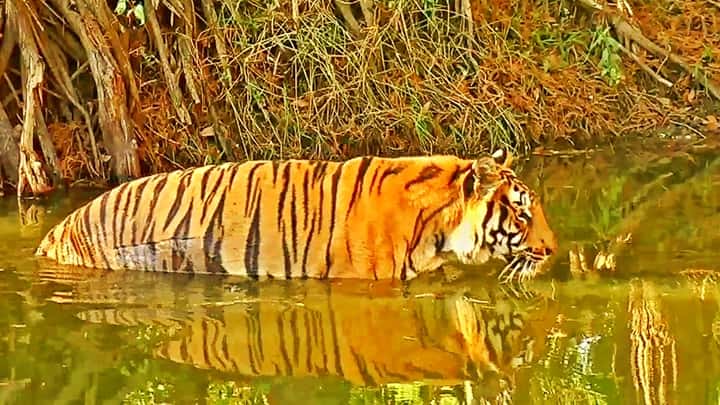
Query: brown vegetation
x,y
100,94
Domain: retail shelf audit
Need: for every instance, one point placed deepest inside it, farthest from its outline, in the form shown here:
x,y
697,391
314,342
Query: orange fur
x,y
367,217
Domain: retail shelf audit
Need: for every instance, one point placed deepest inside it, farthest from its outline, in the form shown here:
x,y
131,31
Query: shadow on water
x,y
628,314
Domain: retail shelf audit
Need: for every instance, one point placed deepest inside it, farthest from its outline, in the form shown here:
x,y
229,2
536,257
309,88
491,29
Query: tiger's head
x,y
502,218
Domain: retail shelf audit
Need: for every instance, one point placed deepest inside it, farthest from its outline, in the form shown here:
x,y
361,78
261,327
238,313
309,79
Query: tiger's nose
x,y
551,245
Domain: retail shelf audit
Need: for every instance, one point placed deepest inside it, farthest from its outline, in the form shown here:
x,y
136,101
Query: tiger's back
x,y
280,219
367,217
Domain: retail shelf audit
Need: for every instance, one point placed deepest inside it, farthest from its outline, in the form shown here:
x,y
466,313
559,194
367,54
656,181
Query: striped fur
x,y
438,341
368,217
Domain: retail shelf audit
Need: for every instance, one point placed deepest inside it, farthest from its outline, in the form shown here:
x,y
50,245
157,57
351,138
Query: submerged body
x,y
367,217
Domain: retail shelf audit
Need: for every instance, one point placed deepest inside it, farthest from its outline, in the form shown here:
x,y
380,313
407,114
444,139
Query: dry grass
x,y
270,84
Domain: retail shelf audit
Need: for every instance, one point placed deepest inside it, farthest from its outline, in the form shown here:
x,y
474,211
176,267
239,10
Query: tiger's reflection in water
x,y
367,336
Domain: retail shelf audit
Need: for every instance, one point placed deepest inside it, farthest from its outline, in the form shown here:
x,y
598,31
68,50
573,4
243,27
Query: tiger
x,y
367,217
335,333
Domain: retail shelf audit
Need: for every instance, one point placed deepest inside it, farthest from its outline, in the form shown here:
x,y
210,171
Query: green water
x,y
644,328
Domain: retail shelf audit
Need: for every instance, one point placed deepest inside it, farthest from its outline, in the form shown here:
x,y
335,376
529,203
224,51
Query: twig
x,y
170,78
645,67
695,131
13,92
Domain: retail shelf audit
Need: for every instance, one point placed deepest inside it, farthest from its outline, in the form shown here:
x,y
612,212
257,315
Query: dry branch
x,y
171,79
186,46
31,174
115,122
58,66
625,30
118,48
9,40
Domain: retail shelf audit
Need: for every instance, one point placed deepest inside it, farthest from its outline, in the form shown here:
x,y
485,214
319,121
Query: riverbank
x,y
182,86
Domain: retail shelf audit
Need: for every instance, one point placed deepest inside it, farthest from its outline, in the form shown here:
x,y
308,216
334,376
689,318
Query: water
x,y
629,312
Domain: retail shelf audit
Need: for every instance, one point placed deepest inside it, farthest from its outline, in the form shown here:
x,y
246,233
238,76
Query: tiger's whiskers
x,y
522,267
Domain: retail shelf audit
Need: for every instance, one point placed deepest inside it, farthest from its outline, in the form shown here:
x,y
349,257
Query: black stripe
x,y
333,204
123,215
179,194
87,233
320,331
374,179
103,212
307,247
283,347
306,212
147,236
296,340
140,191
101,249
459,170
319,208
275,167
283,193
293,224
235,169
420,225
440,242
362,368
213,191
388,172
203,182
319,171
286,255
212,243
249,187
336,347
205,342
251,357
183,228
252,246
427,173
215,345
308,342
359,180
226,354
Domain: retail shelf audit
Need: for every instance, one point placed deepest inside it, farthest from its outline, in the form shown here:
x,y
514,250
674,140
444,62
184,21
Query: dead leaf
x,y
207,132
711,123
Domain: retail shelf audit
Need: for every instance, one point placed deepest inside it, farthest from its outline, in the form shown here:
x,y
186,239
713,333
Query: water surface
x,y
628,312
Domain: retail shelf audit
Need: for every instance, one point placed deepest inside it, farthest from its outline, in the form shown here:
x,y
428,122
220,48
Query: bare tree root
x,y
114,119
9,152
31,174
58,66
171,80
625,30
188,52
9,41
119,49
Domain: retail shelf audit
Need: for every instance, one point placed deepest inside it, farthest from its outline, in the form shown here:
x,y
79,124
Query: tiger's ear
x,y
503,158
482,177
